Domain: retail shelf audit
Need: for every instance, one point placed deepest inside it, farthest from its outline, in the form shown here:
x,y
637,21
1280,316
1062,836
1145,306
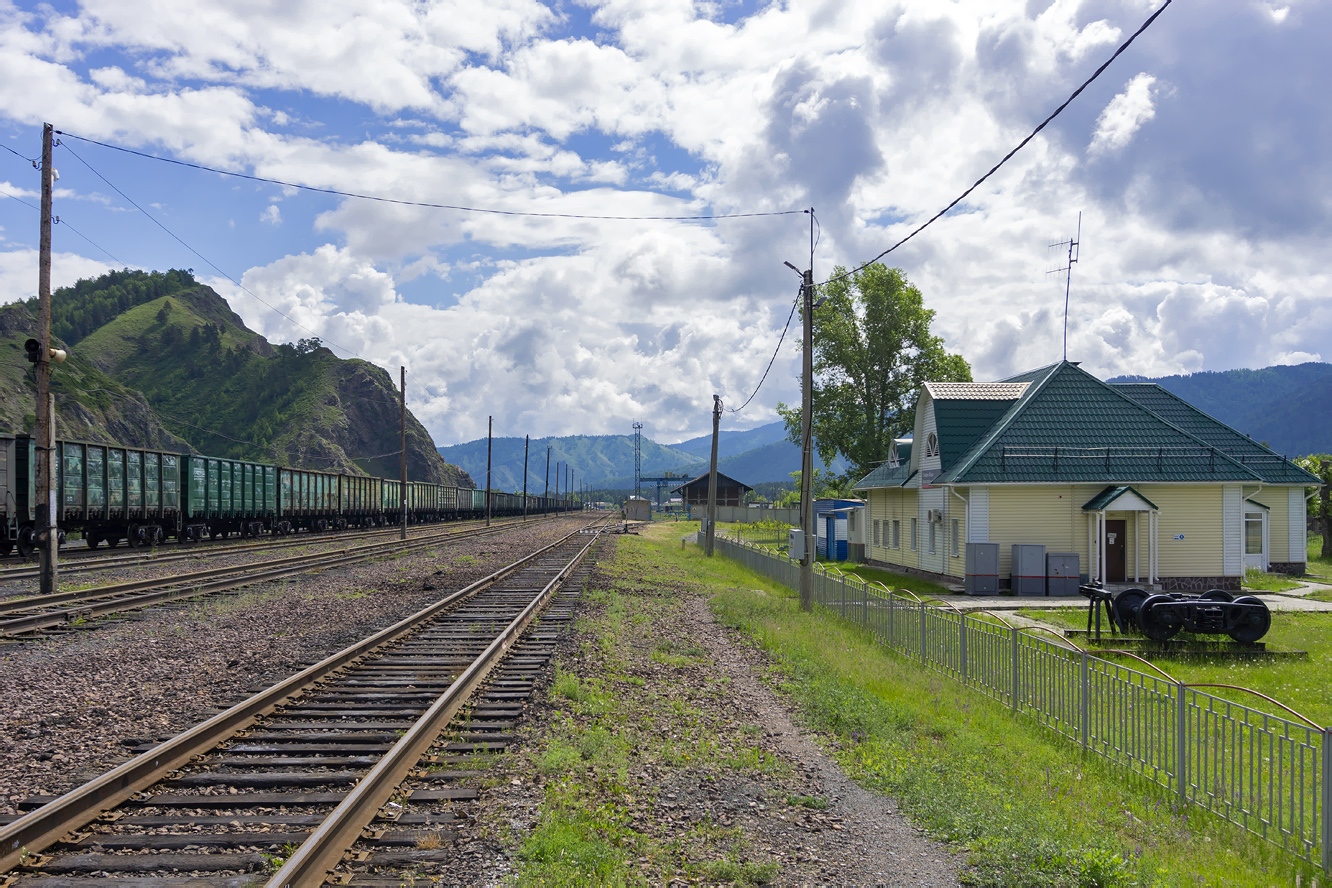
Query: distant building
x,y
730,492
637,508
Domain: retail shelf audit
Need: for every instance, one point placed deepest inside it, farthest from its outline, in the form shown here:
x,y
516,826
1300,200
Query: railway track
x,y
32,616
349,770
73,561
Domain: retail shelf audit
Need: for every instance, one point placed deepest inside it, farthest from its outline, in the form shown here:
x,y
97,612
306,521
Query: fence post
x,y
1014,633
1181,745
843,596
962,645
922,632
1326,812
1086,700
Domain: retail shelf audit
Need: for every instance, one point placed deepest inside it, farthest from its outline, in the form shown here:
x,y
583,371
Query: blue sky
x,y
1198,162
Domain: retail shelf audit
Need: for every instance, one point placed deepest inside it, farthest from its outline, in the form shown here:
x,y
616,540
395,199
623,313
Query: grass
x,y
1028,806
1318,565
1269,582
923,588
1299,683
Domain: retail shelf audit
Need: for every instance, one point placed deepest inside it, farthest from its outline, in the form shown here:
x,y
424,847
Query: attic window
x,y
893,460
932,445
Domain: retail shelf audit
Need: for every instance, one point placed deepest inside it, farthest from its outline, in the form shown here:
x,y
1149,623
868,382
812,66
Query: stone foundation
x,y
945,580
1199,584
1289,568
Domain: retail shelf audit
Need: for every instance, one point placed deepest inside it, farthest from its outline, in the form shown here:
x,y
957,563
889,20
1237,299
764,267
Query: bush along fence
x,y
1267,774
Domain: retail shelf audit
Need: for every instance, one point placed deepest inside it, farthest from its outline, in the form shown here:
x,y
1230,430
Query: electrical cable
x,y
16,154
773,359
425,204
21,200
1123,46
179,240
60,221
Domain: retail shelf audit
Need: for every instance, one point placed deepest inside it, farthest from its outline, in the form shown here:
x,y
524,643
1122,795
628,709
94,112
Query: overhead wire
x,y
30,160
424,204
1097,73
59,221
773,359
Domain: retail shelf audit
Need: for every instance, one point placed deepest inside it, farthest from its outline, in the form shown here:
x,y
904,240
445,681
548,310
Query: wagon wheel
x,y
1159,623
132,536
26,546
1248,624
92,540
1127,606
1217,595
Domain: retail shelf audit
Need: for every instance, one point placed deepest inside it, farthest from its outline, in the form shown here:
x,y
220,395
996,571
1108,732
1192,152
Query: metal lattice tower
x,y
638,458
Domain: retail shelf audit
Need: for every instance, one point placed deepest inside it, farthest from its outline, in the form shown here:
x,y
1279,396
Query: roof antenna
x,y
1074,250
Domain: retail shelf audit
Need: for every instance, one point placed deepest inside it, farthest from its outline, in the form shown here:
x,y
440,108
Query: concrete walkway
x,y
1290,600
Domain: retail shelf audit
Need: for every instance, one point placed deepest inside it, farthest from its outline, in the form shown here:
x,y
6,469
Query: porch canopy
x,y
1120,498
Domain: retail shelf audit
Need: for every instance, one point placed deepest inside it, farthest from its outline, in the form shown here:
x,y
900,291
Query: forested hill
x,y
174,347
1288,408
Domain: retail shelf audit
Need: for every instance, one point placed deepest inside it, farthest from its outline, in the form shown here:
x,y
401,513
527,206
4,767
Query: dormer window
x,y
932,445
893,460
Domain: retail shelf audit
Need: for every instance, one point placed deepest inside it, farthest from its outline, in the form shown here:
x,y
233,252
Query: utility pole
x,y
807,426
712,478
48,515
546,498
490,422
557,482
402,471
525,443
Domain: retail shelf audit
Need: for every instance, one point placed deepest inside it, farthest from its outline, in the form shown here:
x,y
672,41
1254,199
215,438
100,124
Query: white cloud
x,y
1124,116
18,272
271,215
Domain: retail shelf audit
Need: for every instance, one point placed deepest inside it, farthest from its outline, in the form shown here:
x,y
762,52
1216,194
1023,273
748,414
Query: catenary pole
x,y
526,441
807,438
490,422
710,536
402,466
47,514
546,498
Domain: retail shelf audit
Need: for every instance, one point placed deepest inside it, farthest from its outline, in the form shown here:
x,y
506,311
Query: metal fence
x,y
1267,774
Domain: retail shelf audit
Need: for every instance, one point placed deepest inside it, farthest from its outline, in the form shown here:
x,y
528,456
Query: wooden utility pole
x,y
47,513
557,482
546,498
710,535
526,441
807,441
402,465
490,424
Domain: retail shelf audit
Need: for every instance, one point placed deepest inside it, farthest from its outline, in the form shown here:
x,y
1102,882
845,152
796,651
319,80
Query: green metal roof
x,y
1103,499
1069,426
962,422
885,476
1271,467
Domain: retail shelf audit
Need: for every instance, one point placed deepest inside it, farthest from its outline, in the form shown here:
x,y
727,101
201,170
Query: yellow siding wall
x,y
1194,512
885,506
1048,514
1278,521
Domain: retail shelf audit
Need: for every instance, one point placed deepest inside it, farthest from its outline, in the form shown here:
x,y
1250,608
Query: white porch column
x,y
1137,545
1100,539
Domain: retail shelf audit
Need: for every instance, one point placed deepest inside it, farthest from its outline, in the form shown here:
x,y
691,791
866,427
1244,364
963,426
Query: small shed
x,y
637,508
730,492
830,523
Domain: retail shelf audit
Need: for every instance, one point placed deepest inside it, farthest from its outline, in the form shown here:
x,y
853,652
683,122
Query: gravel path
x,y
72,705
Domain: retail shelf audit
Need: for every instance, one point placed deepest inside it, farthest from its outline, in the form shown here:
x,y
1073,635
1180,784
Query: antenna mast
x,y
1074,251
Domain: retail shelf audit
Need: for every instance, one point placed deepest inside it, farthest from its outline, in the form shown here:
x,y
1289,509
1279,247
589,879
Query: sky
x,y
1197,161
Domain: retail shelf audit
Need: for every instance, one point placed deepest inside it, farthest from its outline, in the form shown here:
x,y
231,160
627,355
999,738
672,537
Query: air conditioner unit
x,y
936,516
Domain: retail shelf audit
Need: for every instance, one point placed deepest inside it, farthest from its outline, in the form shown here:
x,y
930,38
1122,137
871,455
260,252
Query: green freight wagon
x,y
226,496
105,491
361,500
309,501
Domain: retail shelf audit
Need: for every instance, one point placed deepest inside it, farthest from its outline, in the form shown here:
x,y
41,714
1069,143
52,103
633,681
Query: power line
x,y
179,240
20,156
416,203
773,359
1123,46
21,200
61,221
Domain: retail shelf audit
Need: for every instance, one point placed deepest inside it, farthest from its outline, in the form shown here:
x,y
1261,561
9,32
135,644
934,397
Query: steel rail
x,y
38,830
165,553
100,602
311,863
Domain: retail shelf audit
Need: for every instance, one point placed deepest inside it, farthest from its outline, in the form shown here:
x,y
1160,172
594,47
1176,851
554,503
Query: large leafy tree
x,y
1320,464
873,349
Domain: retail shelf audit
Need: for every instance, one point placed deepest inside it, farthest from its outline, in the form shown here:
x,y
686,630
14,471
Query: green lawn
x,y
923,588
1269,582
1027,807
1298,683
1318,565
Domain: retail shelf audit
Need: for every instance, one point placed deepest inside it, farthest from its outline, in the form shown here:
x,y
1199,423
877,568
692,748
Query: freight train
x,y
111,493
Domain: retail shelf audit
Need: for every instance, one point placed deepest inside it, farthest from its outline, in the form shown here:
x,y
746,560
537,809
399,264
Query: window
x,y
897,534
932,526
956,534
876,531
914,537
1253,533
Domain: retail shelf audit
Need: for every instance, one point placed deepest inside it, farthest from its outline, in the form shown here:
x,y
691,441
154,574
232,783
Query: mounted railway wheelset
x,y
1162,616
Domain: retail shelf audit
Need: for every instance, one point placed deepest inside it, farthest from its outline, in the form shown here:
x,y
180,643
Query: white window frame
x,y
876,531
915,534
897,533
957,531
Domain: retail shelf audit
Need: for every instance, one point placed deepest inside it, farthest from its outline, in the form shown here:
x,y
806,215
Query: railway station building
x,y
730,492
1143,487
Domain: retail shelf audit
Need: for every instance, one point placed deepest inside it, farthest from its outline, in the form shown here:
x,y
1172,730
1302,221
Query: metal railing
x,y
1269,775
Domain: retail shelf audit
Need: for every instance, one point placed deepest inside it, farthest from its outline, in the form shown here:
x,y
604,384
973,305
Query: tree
x,y
1321,465
872,351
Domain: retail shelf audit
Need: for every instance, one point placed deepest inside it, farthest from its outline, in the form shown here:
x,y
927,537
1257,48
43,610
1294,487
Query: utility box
x,y
982,569
795,544
1061,573
1028,569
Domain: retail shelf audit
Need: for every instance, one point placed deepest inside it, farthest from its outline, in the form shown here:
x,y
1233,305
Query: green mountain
x,y
1286,407
204,381
734,443
596,459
